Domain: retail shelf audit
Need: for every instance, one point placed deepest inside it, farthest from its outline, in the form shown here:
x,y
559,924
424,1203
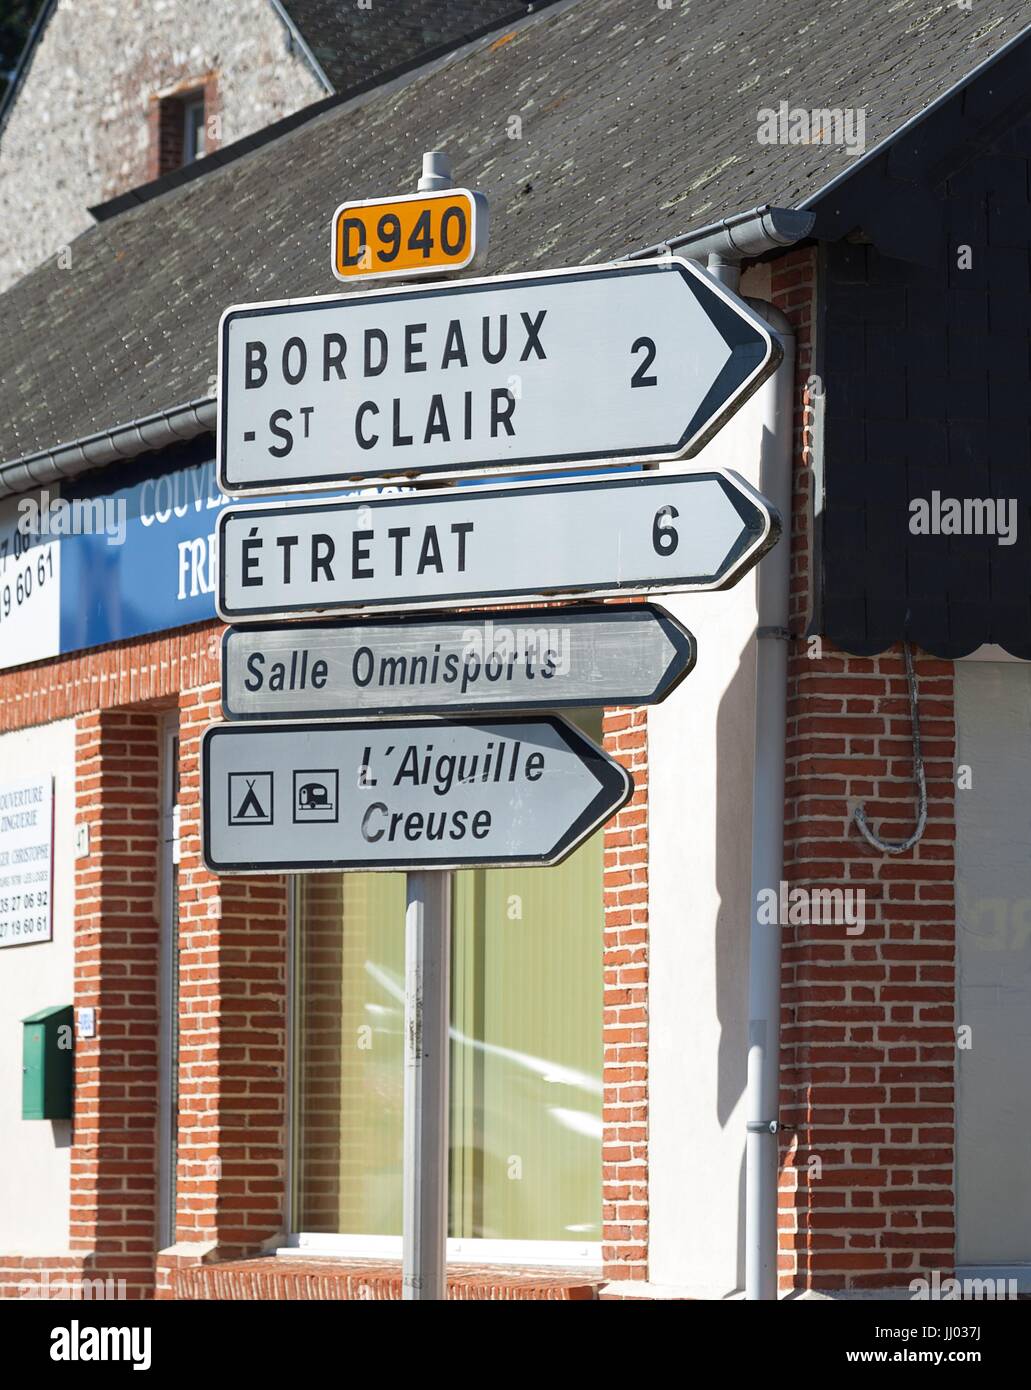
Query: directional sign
x,y
412,234
422,793
642,360
591,537
510,659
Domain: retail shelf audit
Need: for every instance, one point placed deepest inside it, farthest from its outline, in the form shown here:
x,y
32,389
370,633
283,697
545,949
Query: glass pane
x,y
193,131
526,1052
350,991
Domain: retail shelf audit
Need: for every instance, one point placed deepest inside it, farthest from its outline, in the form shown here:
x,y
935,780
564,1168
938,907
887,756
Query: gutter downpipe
x,y
762,1095
735,238
723,245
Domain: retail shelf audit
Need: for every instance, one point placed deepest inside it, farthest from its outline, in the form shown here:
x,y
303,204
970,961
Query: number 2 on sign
x,y
641,377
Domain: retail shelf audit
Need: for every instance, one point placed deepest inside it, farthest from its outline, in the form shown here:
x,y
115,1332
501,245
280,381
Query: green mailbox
x,y
47,1054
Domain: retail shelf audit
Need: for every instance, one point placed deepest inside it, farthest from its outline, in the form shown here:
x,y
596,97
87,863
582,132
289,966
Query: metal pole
x,y
424,1181
426,1025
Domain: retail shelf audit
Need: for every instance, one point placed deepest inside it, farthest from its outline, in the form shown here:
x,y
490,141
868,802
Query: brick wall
x,y
82,131
232,958
232,1019
625,1032
867,1019
114,1153
232,1122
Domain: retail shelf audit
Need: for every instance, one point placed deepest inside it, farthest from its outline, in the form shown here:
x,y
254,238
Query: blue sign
x,y
84,564
160,576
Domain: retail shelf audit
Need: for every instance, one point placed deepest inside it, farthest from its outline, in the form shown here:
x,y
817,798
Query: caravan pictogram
x,y
316,795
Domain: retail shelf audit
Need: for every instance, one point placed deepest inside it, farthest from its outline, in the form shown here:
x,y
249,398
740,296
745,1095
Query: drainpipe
x,y
771,667
723,245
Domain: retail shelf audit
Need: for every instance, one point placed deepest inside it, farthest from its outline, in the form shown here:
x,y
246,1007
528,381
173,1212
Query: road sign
x,y
557,658
640,360
412,234
589,537
422,793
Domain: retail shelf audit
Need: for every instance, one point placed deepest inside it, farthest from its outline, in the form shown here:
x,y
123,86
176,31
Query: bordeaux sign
x,y
641,360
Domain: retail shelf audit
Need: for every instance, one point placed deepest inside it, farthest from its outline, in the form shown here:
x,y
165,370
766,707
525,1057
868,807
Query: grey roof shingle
x,y
352,45
637,123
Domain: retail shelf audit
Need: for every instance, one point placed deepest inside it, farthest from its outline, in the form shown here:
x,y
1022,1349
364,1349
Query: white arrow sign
x,y
620,654
592,537
402,794
639,360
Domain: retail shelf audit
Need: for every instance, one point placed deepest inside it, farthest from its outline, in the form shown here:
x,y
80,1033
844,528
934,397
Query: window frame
x,y
560,1254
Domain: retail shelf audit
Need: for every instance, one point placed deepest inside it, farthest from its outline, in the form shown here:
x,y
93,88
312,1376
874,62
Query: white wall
x,y
993,918
35,1154
701,744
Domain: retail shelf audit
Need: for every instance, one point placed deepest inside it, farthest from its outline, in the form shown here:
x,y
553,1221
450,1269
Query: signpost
x,y
402,794
566,658
607,365
639,360
589,537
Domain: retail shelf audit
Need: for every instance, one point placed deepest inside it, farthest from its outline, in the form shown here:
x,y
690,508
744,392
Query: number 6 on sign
x,y
413,234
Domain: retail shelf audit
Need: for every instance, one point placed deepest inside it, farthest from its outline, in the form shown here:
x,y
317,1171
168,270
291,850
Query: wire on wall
x,y
859,814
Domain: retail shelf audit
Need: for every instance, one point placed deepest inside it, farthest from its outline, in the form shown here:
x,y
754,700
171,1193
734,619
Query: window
x,y
181,131
193,129
526,1051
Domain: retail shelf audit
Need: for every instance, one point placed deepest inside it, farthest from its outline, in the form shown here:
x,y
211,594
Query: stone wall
x,y
83,126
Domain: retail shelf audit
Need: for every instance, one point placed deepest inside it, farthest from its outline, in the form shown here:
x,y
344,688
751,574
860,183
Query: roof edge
x,y
302,44
21,67
172,426
392,79
901,131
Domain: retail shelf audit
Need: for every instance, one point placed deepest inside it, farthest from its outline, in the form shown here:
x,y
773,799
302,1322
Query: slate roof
x,y
352,45
637,123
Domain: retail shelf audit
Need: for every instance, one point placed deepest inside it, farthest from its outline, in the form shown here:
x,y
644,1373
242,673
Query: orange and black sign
x,y
415,234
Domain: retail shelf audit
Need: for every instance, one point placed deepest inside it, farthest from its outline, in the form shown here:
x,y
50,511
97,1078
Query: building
x,y
110,96
237,1086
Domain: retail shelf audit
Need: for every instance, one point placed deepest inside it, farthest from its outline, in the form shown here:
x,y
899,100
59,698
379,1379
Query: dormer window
x,y
181,128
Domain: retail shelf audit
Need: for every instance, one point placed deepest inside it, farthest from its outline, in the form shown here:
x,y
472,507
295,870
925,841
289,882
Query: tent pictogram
x,y
250,798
